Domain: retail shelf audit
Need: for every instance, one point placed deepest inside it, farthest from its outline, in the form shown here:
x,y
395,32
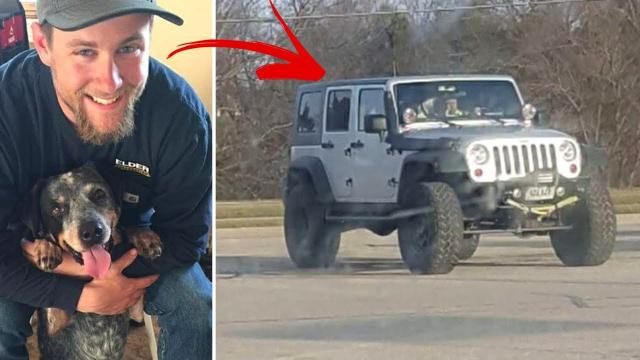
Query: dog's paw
x,y
48,255
116,237
146,241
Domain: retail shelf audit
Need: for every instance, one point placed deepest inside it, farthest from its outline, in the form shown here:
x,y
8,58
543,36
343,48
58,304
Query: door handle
x,y
327,145
357,145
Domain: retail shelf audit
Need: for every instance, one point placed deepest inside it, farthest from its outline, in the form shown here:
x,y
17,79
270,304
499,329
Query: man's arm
x,y
181,195
19,280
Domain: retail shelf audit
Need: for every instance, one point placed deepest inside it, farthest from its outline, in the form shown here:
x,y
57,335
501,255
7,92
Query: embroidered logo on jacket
x,y
130,198
133,167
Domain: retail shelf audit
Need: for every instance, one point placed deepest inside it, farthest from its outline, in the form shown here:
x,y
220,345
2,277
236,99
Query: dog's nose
x,y
91,232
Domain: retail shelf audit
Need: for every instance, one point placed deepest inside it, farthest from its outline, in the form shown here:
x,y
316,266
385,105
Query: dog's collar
x,y
76,255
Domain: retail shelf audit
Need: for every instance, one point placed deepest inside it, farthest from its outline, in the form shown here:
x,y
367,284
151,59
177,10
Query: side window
x,y
338,108
309,112
371,103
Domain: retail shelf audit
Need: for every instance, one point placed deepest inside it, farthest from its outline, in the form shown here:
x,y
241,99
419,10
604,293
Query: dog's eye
x,y
99,195
57,211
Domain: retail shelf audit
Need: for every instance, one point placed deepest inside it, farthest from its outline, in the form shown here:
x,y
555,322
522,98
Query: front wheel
x,y
311,241
591,240
468,246
429,242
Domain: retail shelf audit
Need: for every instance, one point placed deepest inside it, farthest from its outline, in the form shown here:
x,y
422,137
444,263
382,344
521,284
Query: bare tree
x,y
578,62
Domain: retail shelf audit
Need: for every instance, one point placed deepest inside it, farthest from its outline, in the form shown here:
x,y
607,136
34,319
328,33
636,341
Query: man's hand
x,y
114,293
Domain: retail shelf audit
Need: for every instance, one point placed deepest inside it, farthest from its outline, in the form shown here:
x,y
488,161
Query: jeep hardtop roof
x,y
383,80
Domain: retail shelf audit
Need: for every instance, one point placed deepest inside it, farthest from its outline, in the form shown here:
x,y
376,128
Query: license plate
x,y
539,193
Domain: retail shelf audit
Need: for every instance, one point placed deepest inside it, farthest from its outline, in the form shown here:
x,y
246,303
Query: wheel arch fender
x,y
311,167
594,160
424,165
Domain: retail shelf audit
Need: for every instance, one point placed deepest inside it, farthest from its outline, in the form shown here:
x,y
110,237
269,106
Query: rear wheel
x,y
311,241
593,236
428,242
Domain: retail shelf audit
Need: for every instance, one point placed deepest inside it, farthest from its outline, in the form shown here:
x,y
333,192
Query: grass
x,y
246,209
232,223
261,213
627,208
627,196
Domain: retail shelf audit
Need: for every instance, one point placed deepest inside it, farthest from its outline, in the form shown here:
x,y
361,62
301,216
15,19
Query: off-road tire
x,y
468,246
593,236
311,241
429,242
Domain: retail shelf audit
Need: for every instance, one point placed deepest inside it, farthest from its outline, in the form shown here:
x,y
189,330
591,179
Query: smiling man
x,y
91,92
109,62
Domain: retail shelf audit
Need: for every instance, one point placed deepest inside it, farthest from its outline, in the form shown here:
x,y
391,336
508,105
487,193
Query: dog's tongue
x,y
96,261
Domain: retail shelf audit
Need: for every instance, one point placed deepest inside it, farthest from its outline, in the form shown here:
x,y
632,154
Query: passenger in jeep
x,y
452,109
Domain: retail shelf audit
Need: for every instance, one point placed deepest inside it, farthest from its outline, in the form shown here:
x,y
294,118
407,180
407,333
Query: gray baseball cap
x,y
70,15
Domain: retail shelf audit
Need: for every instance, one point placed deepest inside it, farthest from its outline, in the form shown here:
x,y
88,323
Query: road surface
x,y
512,300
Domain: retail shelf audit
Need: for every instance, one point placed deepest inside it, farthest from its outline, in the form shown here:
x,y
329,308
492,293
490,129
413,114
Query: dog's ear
x,y
29,210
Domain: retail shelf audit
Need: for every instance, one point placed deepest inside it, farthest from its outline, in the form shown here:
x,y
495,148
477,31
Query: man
x,y
90,92
452,108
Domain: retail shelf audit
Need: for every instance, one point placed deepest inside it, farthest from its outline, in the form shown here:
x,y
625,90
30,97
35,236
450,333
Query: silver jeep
x,y
442,159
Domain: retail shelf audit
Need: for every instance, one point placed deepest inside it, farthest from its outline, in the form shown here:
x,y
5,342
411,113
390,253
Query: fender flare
x,y
594,159
443,161
432,161
313,168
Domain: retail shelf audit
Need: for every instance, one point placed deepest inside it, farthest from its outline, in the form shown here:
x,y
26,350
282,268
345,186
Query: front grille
x,y
521,160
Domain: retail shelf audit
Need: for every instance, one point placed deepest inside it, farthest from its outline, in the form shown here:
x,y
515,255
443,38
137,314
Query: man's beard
x,y
88,132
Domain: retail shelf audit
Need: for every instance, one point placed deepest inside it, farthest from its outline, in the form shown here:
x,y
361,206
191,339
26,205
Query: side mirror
x,y
529,112
375,124
541,119
531,115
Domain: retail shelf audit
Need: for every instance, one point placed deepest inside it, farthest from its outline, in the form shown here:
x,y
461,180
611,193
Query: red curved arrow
x,y
299,66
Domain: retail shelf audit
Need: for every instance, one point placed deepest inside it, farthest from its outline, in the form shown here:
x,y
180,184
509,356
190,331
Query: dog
x,y
77,212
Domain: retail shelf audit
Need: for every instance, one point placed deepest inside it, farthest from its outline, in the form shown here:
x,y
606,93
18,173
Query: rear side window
x,y
309,112
338,109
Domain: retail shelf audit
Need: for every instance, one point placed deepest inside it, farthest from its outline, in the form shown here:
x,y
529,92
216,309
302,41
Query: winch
x,y
543,211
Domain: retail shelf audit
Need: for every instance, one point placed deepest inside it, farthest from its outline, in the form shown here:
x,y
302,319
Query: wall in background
x,y
194,65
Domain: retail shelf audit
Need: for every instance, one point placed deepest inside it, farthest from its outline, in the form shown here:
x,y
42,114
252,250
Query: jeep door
x,y
376,170
337,135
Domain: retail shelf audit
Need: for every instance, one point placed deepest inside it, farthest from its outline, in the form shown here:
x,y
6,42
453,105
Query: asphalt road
x,y
512,300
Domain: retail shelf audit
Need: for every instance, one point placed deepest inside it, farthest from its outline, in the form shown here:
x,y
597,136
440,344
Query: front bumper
x,y
487,201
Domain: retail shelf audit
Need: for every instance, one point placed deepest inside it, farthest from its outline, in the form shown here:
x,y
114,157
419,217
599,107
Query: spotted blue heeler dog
x,y
77,212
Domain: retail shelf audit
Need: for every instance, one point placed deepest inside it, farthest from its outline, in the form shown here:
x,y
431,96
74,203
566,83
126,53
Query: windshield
x,y
444,101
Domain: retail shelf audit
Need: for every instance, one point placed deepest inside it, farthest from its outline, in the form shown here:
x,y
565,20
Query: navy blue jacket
x,y
172,139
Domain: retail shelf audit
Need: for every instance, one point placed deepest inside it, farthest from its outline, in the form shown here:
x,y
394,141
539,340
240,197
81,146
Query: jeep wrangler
x,y
442,160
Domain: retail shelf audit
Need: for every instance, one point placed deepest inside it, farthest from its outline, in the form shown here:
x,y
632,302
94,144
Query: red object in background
x,y
12,31
297,66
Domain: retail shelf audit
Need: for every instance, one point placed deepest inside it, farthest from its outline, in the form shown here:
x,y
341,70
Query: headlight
x,y
568,150
479,154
